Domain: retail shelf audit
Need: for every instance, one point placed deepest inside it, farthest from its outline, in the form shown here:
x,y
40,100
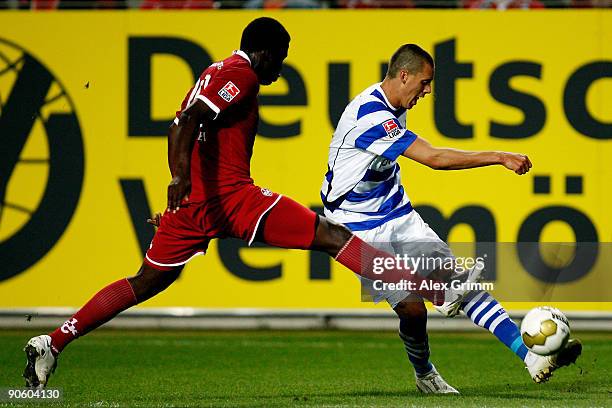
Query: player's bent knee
x,y
149,281
331,237
412,308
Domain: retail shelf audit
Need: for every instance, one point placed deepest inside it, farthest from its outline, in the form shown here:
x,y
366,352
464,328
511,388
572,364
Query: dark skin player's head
x,y
266,42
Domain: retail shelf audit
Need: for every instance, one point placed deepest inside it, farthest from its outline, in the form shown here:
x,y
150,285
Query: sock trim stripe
x,y
131,289
416,351
480,308
417,347
487,306
497,321
516,344
407,338
522,351
488,312
341,251
472,302
491,317
418,358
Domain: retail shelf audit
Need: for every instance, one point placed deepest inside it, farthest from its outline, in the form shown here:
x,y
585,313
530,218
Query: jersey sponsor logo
x,y
392,129
266,192
229,91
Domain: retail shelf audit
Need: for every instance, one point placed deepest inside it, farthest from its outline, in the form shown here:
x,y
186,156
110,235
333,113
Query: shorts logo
x,y
266,192
229,91
391,128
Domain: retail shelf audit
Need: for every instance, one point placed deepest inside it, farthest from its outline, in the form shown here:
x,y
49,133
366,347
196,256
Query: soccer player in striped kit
x,y
362,189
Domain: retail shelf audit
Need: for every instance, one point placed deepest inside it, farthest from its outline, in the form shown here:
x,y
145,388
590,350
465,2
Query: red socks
x,y
105,305
359,256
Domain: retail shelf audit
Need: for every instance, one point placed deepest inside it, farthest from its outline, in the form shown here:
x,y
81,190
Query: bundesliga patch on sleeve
x,y
229,91
392,129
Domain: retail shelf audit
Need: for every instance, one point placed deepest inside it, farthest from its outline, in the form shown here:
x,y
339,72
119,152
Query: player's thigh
x,y
414,239
412,228
381,237
289,225
180,237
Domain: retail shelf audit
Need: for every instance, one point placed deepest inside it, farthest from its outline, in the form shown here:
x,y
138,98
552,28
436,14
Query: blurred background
x,y
88,90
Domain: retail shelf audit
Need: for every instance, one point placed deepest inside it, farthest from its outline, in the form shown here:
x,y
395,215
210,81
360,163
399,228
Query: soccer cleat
x,y
40,361
543,366
433,383
451,307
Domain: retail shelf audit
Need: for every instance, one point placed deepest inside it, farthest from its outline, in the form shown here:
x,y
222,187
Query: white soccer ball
x,y
545,330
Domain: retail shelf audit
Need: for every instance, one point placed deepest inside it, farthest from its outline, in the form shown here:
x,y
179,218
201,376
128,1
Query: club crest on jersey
x,y
229,91
266,192
391,128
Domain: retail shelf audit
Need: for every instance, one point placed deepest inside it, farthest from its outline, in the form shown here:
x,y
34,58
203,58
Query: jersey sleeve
x,y
383,135
225,89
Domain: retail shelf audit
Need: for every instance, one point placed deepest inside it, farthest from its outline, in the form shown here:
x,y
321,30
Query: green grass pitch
x,y
302,369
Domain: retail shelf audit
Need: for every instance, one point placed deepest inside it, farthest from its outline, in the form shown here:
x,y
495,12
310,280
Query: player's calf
x,y
42,351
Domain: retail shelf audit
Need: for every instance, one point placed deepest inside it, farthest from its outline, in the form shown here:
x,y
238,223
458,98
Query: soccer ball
x,y
545,330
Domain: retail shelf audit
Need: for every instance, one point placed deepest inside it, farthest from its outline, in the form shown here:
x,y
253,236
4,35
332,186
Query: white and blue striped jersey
x,y
362,188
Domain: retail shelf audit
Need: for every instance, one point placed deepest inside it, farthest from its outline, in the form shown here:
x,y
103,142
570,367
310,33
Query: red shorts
x,y
187,233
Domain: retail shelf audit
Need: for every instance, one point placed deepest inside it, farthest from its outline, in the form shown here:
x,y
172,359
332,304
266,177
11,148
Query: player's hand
x,y
518,163
178,190
155,220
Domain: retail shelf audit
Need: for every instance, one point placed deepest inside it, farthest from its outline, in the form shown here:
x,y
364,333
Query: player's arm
x,y
443,158
181,138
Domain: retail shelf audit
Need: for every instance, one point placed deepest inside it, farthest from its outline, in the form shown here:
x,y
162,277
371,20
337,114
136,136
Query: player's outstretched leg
x,y
487,313
357,255
42,351
413,332
291,225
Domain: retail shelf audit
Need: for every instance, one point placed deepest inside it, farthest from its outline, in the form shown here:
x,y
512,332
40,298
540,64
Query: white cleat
x,y
433,383
542,367
40,361
452,307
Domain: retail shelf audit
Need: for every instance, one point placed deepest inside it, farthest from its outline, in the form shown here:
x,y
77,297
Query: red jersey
x,y
221,157
224,202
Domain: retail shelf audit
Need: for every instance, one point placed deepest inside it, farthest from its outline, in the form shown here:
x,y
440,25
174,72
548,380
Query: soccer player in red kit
x,y
212,195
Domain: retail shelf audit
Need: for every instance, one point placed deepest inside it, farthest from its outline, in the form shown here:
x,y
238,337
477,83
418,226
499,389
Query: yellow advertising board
x,y
87,97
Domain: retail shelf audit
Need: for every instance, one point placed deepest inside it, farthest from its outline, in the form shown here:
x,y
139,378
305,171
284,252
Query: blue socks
x,y
485,312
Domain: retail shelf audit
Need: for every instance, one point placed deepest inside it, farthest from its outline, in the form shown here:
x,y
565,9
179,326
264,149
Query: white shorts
x,y
408,235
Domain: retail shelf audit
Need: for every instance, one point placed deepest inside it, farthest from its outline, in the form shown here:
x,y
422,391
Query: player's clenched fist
x,y
518,163
178,189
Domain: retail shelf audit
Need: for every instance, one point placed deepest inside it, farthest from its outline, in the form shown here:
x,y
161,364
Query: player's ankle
x,y
54,350
424,371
